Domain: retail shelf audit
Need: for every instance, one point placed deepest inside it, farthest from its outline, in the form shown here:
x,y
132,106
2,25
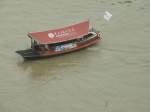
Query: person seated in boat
x,y
36,48
41,48
79,40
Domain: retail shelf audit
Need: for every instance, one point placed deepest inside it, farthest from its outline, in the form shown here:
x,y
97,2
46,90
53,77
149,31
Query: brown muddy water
x,y
112,76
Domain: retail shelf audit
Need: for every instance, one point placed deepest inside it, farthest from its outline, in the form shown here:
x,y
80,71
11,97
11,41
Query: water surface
x,y
112,76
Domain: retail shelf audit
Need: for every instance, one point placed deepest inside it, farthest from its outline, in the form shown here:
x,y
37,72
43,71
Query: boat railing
x,y
94,30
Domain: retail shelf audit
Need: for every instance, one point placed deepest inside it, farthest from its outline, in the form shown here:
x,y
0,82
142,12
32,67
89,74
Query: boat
x,y
60,41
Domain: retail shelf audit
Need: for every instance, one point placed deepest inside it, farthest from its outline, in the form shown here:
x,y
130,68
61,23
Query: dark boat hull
x,y
30,54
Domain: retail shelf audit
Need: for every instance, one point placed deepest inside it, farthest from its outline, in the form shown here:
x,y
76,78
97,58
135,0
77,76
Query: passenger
x,y
42,48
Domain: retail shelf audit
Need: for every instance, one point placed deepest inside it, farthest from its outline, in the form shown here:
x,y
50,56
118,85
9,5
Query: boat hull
x,y
30,54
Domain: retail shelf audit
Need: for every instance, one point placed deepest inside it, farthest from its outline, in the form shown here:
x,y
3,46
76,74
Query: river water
x,y
112,76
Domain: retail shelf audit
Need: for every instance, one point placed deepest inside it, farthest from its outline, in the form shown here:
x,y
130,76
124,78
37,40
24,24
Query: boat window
x,y
71,41
88,35
60,43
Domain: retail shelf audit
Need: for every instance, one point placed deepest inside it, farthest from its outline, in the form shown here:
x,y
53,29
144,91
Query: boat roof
x,y
61,34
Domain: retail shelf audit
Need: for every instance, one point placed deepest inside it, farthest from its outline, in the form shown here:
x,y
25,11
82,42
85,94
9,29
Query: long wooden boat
x,y
60,41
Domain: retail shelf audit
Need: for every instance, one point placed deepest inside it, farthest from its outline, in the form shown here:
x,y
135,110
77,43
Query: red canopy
x,y
61,34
